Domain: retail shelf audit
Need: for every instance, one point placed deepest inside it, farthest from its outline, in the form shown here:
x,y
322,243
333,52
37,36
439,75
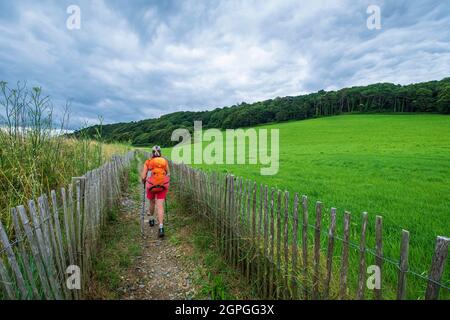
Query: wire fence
x,y
52,259
267,235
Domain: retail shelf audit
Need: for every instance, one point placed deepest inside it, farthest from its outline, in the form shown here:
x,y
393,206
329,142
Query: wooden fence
x,y
55,237
266,235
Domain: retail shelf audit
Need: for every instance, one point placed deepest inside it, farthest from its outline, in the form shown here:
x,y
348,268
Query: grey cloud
x,y
140,59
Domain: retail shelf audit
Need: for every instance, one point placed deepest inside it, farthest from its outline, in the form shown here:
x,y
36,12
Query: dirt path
x,y
161,272
183,265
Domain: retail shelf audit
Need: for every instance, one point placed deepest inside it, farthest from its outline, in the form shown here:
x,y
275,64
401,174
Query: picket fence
x,y
54,239
259,230
267,237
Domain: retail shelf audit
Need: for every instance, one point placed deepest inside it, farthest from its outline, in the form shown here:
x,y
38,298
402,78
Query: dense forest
x,y
432,96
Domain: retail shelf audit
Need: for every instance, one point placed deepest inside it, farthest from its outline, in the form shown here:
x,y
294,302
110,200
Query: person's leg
x,y
151,198
151,210
160,211
160,198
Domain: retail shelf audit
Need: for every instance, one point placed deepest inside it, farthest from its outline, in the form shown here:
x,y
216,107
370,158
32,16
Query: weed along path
x,y
181,266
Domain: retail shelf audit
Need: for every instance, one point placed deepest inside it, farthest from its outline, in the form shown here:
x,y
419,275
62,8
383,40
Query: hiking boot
x,y
151,222
161,232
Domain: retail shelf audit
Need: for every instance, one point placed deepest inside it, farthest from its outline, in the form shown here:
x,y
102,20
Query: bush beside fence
x,y
56,235
260,233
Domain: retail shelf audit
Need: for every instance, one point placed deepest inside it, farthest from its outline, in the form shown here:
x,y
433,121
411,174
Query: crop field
x,y
397,166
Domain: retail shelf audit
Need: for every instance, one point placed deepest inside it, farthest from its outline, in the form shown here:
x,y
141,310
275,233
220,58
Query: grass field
x,y
397,166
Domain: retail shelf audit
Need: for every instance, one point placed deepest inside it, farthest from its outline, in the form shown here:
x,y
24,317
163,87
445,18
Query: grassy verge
x,y
213,276
117,253
120,246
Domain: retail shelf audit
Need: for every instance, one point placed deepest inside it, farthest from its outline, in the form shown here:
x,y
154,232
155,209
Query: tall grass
x,y
35,156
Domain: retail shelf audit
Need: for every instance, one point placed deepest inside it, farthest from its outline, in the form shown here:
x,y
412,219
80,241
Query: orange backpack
x,y
158,180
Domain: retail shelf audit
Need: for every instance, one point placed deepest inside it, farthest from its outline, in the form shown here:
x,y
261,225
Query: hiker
x,y
157,185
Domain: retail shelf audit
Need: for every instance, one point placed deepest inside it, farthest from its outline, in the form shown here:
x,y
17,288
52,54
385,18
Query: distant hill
x,y
432,96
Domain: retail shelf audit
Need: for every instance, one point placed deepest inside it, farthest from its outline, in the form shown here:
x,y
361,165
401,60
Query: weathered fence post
x,y
44,248
271,255
286,244
23,253
13,262
255,245
230,220
330,252
59,242
249,229
294,274
305,246
6,281
260,261
237,223
265,244
226,216
437,268
315,291
379,254
35,249
362,259
278,216
403,265
68,225
344,265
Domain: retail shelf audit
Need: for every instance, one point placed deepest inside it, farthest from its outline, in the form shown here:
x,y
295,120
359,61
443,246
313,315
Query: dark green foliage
x,y
433,96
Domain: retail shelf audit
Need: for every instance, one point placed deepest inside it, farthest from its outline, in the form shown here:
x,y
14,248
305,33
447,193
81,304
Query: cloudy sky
x,y
133,60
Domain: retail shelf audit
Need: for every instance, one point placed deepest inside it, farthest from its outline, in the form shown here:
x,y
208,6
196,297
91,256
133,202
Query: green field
x,y
397,166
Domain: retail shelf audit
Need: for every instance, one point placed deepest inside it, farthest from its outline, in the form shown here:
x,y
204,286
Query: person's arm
x,y
144,173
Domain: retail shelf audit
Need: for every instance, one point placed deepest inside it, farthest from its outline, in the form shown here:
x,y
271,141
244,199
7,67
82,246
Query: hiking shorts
x,y
159,195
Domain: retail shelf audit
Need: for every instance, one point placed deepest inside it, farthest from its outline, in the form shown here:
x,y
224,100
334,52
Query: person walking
x,y
157,184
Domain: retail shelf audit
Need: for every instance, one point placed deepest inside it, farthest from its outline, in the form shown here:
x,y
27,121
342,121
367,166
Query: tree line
x,y
432,97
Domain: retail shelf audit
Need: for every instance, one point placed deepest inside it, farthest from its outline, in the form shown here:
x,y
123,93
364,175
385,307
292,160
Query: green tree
x,y
424,99
443,101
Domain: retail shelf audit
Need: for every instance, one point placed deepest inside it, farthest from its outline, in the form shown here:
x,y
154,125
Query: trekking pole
x,y
165,209
143,211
